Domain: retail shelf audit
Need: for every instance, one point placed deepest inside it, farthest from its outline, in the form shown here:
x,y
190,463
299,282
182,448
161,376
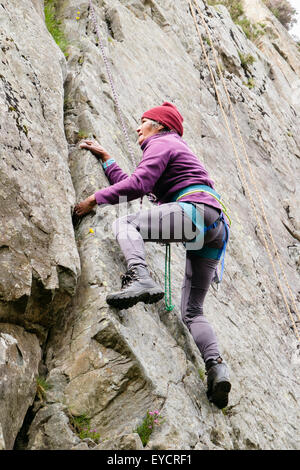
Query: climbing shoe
x,y
137,286
218,385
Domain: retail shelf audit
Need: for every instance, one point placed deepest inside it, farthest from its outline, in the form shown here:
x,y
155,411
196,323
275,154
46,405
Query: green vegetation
x,y
225,411
201,374
284,12
251,30
67,103
41,388
25,129
82,134
246,60
146,428
81,426
54,26
250,84
235,8
220,70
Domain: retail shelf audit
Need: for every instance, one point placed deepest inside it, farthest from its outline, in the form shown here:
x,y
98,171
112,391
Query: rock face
x,y
20,355
112,366
277,46
39,262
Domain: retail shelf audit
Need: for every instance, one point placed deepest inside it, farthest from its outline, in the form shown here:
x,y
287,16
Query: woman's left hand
x,y
85,206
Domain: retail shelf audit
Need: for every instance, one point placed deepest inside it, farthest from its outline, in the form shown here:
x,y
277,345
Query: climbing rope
x,y
168,289
242,174
109,74
151,197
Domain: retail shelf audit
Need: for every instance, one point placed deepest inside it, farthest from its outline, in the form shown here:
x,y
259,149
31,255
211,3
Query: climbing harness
x,y
200,188
208,252
242,174
205,252
190,209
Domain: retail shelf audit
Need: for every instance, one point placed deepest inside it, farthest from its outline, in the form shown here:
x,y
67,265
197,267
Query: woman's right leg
x,y
199,273
165,224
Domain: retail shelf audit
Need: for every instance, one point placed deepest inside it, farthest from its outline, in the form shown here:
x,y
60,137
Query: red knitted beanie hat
x,y
168,115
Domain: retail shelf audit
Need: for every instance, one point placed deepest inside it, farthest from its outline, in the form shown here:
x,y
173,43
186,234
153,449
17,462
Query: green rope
x,y
168,291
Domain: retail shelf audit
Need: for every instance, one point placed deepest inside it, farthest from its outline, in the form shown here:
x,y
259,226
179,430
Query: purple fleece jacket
x,y
167,166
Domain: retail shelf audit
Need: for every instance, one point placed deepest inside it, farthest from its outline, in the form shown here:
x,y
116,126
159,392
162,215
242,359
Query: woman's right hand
x,y
95,148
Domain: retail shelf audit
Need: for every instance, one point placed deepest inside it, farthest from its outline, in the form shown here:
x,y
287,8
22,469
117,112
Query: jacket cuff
x,y
108,163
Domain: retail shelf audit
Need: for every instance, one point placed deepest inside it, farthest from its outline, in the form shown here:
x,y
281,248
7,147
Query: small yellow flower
x,y
77,18
91,230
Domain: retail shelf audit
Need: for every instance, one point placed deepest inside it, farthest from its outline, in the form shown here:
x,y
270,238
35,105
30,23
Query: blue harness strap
x,y
225,241
207,252
197,219
200,188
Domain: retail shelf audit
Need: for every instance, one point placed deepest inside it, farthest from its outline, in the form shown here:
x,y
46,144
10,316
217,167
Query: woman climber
x,y
183,188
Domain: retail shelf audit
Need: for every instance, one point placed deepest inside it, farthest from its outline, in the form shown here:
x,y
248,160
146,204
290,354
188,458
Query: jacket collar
x,y
157,136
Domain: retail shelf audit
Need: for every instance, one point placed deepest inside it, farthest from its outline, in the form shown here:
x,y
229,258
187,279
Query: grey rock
x,y
2,443
50,429
81,446
20,354
124,442
39,262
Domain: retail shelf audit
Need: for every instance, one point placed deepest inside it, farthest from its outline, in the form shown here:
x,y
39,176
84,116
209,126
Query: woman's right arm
x,y
112,170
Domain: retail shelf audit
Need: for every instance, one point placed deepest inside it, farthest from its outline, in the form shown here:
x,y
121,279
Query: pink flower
x,y
151,413
150,427
156,412
156,421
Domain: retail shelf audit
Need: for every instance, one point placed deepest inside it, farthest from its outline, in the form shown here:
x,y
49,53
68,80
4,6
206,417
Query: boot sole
x,y
127,302
220,393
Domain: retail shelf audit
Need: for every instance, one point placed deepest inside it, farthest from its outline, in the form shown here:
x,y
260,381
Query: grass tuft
x,y
41,388
54,26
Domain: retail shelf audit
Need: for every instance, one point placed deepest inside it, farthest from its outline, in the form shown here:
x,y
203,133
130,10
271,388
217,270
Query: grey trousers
x,y
166,224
